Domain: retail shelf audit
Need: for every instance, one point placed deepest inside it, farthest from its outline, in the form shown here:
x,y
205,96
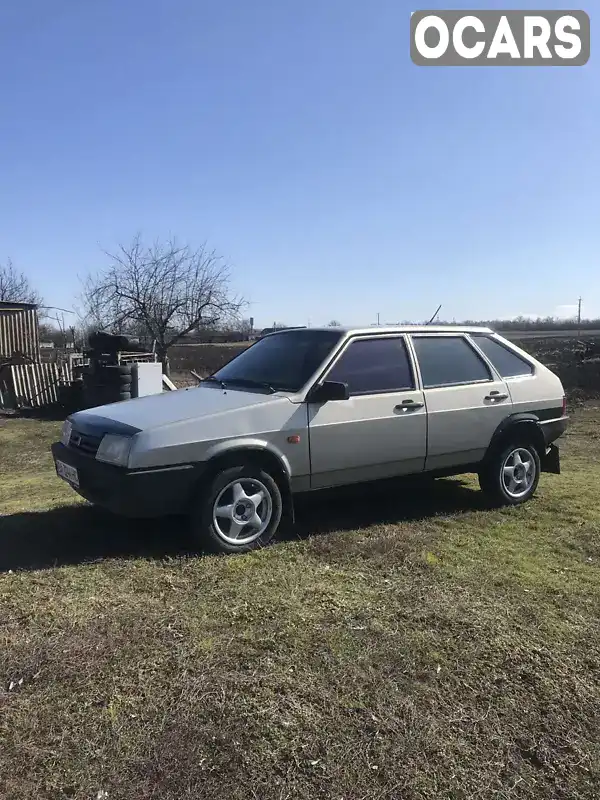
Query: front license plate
x,y
67,473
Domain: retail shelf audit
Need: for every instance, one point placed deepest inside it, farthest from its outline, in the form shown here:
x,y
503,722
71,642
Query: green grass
x,y
405,643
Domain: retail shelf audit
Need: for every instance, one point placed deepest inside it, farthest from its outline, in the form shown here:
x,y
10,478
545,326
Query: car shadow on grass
x,y
383,503
77,534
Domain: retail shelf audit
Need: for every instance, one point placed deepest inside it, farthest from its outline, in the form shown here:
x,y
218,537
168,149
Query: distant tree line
x,y
165,292
528,324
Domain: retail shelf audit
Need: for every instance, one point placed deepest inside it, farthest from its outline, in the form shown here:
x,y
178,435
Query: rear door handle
x,y
495,395
408,405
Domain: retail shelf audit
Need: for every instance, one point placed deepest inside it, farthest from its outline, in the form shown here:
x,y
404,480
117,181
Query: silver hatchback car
x,y
306,409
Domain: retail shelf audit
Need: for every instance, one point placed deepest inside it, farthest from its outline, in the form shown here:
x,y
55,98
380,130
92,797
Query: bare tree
x,y
242,327
55,330
15,286
334,324
165,289
246,328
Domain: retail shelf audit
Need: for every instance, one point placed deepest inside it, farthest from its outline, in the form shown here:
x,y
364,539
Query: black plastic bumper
x,y
554,429
550,461
132,493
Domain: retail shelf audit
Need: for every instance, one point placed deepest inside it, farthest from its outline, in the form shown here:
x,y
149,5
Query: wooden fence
x,y
32,385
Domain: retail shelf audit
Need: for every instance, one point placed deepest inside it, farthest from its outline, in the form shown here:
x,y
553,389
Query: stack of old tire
x,y
105,380
107,383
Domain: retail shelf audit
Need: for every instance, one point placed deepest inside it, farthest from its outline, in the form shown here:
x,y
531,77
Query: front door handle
x,y
495,395
408,405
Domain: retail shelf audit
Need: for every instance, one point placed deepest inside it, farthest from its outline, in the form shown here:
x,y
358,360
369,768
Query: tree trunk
x,y
164,358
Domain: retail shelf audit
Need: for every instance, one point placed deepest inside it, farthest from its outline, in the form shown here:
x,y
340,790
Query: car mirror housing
x,y
329,390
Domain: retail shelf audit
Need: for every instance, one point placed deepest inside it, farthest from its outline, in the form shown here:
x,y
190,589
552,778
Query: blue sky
x,y
338,179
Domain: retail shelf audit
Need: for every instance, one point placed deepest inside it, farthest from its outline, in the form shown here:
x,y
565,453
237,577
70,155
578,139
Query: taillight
x,y
564,406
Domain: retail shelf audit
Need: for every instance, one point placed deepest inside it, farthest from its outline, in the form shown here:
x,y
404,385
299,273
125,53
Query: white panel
x,y
365,438
462,421
147,379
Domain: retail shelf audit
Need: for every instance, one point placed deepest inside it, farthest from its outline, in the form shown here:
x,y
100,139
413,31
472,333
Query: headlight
x,y
65,434
114,449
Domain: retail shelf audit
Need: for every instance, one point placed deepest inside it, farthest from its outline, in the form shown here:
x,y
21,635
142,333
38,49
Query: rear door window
x,y
449,360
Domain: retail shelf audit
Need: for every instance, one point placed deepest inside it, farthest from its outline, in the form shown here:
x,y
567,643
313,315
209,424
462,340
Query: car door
x,y
380,431
465,399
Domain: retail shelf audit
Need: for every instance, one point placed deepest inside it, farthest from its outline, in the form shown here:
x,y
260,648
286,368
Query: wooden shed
x,y
19,331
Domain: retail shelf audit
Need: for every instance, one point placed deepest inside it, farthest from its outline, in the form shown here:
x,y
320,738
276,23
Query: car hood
x,y
154,411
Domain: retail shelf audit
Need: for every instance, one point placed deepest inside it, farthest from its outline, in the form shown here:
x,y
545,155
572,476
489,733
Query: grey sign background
x,y
490,20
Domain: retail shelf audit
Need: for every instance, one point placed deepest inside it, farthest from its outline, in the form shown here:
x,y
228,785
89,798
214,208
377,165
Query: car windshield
x,y
281,362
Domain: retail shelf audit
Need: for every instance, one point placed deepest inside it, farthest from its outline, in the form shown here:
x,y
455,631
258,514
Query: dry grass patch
x,y
410,643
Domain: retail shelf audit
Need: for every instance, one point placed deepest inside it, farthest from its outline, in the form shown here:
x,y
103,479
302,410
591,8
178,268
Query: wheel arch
x,y
255,454
524,426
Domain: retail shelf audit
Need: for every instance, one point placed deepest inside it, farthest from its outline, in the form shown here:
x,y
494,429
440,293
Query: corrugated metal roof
x,y
19,330
11,304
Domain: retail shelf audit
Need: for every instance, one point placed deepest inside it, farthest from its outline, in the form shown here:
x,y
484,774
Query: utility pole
x,y
579,319
378,319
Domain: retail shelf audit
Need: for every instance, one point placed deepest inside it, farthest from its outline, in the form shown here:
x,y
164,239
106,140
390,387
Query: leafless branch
x,y
15,286
164,291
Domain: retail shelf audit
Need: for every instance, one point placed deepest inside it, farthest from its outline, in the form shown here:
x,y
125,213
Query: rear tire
x,y
512,474
240,511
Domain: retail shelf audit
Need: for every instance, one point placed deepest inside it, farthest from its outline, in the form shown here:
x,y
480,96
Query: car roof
x,y
383,329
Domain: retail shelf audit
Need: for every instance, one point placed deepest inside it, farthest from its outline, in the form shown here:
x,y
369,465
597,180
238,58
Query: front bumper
x,y
131,493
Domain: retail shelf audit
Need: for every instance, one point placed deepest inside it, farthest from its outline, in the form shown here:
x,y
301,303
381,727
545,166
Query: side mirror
x,y
329,390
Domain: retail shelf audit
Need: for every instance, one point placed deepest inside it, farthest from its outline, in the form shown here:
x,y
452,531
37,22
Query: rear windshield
x,y
283,360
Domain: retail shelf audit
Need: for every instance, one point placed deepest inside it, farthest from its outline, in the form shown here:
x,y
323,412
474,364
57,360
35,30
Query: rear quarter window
x,y
506,363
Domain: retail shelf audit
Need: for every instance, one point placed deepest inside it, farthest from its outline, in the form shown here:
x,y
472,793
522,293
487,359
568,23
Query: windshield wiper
x,y
212,379
251,384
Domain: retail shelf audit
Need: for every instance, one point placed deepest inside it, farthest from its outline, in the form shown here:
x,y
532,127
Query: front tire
x,y
512,474
240,511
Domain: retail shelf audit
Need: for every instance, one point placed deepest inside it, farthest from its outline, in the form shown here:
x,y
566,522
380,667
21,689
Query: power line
x,y
56,308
